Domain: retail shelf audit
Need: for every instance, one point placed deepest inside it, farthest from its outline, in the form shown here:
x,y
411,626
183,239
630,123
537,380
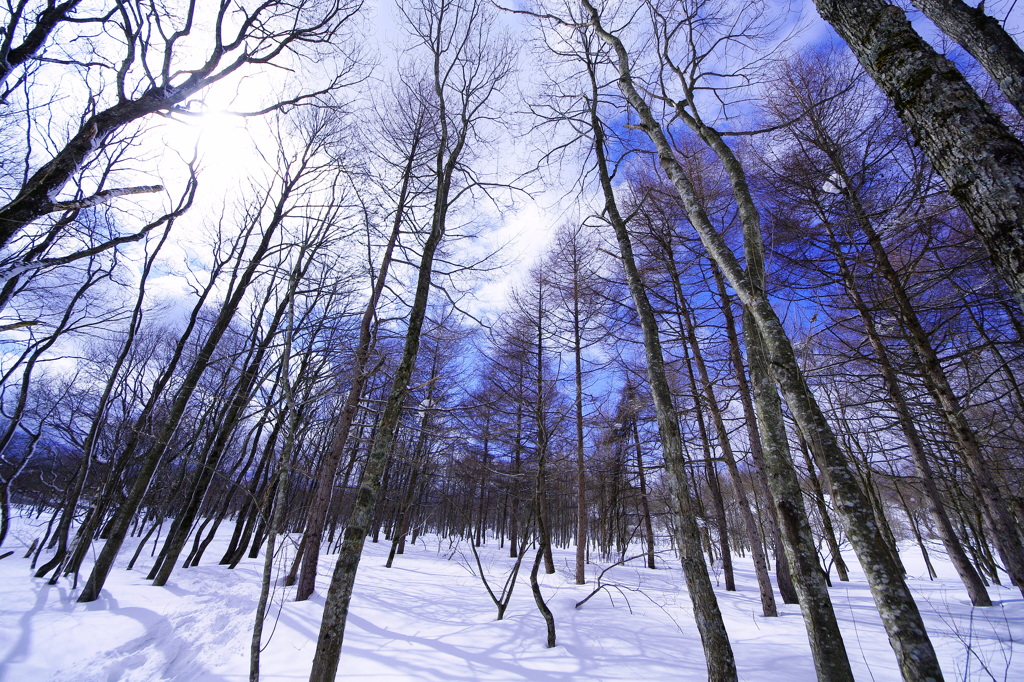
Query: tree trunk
x,y
99,420
720,662
714,489
332,629
581,472
764,584
783,577
450,146
827,529
987,41
902,620
943,526
645,504
316,515
402,522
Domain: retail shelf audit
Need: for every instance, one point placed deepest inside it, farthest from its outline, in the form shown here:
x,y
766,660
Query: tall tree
x,y
467,66
824,103
720,661
573,275
285,201
900,615
410,130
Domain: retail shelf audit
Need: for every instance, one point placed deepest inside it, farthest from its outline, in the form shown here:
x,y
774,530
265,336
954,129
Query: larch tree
x,y
574,278
466,62
721,663
829,142
908,636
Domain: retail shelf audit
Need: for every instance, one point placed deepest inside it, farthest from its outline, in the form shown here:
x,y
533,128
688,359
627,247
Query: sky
x,y
230,147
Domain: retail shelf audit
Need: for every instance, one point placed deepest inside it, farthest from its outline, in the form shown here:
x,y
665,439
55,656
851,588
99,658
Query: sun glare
x,y
224,140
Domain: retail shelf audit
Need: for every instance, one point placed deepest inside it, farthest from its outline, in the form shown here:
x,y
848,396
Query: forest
x,y
551,288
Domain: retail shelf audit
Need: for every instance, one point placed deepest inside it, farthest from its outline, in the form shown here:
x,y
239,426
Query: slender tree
x,y
467,67
900,615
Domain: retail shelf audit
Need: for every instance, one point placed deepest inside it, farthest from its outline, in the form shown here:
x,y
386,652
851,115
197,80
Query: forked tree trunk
x,y
721,664
827,646
543,441
543,541
899,613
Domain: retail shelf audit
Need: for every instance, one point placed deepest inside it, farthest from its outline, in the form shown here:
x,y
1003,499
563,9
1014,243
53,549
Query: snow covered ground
x,y
429,618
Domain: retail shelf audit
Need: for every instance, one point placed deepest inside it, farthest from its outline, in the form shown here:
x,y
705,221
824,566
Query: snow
x,y
429,618
834,184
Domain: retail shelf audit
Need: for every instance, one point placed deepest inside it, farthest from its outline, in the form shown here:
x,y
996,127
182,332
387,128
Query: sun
x,y
224,140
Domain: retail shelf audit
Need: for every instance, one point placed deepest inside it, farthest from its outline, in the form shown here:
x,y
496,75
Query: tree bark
x,y
783,576
987,41
721,664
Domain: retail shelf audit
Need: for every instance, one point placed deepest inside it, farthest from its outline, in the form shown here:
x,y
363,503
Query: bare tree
x,y
467,67
157,70
900,615
720,661
573,275
284,201
410,129
825,104
16,376
33,33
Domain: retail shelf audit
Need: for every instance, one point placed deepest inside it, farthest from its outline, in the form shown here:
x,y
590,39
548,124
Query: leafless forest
x,y
778,308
